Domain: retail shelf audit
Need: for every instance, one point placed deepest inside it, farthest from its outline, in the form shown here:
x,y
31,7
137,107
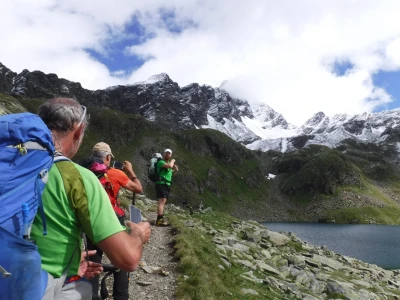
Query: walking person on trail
x,y
165,168
116,179
75,202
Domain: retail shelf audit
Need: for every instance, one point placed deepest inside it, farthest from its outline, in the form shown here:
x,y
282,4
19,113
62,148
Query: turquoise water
x,y
376,244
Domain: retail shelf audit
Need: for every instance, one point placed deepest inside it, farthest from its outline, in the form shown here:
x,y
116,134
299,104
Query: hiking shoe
x,y
162,223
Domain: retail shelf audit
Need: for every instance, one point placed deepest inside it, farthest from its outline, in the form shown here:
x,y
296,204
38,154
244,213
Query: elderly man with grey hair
x,y
76,203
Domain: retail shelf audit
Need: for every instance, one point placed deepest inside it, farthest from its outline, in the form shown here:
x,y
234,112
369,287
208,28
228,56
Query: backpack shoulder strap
x,y
61,282
105,175
60,157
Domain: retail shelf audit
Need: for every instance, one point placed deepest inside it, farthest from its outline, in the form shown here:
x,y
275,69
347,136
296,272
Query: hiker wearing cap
x,y
165,168
76,203
127,179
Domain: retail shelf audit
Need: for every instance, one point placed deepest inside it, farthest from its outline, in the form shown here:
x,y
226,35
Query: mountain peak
x,y
223,84
315,119
162,77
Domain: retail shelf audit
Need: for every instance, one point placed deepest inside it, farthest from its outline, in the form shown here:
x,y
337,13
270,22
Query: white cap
x,y
168,150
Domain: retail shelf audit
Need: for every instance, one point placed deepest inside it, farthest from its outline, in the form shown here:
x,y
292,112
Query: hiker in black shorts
x,y
165,168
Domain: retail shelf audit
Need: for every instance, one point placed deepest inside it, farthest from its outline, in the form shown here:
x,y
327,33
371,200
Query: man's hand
x,y
176,169
127,166
129,171
89,269
142,229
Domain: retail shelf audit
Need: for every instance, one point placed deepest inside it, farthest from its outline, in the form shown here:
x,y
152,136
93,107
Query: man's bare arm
x,y
134,184
125,249
170,165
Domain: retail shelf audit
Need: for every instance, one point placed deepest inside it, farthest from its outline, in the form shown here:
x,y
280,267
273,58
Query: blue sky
x,y
268,52
116,58
388,80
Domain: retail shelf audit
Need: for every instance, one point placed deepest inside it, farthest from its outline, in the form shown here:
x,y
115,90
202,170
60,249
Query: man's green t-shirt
x,y
73,200
165,173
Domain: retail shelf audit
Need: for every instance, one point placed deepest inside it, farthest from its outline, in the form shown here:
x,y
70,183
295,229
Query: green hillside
x,y
353,183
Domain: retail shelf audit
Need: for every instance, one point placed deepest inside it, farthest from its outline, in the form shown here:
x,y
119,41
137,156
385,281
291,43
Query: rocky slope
x,y
248,261
158,99
274,265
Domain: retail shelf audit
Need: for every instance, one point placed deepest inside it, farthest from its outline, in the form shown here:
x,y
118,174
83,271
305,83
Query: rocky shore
x,y
285,265
268,264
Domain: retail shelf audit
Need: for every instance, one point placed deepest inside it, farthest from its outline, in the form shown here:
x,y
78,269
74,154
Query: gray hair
x,y
61,114
100,154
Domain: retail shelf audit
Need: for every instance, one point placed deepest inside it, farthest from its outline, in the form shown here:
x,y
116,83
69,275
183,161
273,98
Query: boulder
x,y
302,278
267,268
342,288
278,239
246,263
329,262
139,202
312,263
207,210
361,283
240,247
266,253
147,201
249,292
226,263
152,270
251,237
297,260
264,234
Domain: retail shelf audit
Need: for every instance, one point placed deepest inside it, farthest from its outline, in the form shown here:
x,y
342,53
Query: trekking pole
x,y
110,269
133,199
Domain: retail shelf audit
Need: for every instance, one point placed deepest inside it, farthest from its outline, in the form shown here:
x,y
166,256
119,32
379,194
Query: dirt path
x,y
157,253
157,258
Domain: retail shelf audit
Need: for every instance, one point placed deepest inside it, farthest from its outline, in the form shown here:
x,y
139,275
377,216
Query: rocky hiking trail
x,y
157,273
156,276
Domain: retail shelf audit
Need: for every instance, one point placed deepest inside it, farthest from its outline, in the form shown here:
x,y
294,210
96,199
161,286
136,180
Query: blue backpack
x,y
26,156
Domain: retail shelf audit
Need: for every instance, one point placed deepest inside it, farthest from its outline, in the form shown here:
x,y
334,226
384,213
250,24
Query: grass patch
x,y
366,215
315,170
10,105
295,245
198,260
336,296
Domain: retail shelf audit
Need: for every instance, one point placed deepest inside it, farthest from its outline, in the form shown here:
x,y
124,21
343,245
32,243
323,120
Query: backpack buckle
x,y
43,173
22,149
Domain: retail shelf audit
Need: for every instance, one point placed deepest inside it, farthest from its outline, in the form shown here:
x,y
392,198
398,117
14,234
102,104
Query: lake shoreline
x,y
372,243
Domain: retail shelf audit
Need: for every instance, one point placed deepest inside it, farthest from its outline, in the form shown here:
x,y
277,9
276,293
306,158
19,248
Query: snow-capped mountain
x,y
161,100
331,131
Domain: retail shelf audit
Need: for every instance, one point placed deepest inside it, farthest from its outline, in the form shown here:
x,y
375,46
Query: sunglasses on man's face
x,y
83,115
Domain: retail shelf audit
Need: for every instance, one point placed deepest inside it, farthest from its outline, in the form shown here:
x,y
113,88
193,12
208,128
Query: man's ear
x,y
79,133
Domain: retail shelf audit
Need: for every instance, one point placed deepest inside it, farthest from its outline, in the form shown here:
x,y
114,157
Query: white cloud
x,y
278,52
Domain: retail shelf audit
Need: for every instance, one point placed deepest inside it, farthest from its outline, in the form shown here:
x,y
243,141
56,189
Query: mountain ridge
x,y
162,100
355,182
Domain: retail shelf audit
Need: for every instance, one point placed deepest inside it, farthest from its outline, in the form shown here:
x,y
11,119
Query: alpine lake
x,y
374,244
